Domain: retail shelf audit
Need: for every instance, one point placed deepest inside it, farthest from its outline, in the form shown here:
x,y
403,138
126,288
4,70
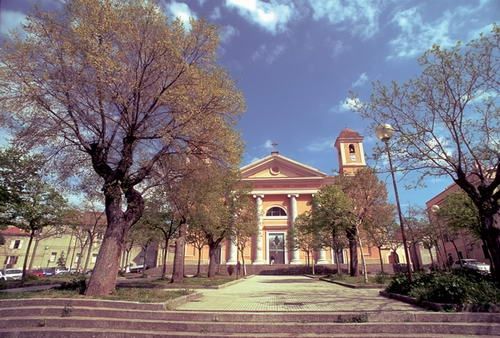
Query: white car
x,y
472,264
15,274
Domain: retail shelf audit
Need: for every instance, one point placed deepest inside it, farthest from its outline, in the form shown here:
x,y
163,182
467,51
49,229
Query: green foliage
x,y
457,287
79,284
61,261
382,278
459,212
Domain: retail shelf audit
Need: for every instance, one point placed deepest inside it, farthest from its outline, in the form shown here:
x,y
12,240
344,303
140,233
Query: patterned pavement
x,y
294,294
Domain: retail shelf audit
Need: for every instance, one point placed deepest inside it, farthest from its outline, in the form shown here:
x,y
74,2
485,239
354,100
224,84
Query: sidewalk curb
x,y
352,286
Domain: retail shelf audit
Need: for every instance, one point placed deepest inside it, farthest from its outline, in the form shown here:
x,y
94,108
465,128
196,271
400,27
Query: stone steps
x,y
92,333
203,327
95,318
299,317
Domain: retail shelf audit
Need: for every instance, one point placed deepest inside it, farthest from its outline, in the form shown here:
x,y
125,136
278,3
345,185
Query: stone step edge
x,y
414,316
112,304
18,332
95,319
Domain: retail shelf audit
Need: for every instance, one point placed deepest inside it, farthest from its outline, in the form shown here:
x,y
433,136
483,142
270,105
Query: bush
x,y
457,287
399,284
381,278
79,284
30,277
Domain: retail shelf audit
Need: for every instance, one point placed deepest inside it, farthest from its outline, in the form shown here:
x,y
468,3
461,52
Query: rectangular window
x,y
53,256
94,258
77,258
10,260
16,244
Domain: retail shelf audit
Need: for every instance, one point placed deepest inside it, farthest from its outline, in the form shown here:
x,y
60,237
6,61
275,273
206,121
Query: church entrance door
x,y
276,248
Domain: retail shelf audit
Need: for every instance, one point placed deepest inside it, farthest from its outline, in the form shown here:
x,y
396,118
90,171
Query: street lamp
x,y
384,133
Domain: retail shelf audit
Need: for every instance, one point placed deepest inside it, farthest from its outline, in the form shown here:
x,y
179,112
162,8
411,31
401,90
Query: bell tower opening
x,y
350,151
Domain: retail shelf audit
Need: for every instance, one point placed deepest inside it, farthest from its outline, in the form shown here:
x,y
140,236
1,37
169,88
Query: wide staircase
x,y
54,318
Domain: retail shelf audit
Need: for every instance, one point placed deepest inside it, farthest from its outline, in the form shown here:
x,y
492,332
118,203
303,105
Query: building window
x,y
77,258
10,261
53,256
94,258
276,211
16,244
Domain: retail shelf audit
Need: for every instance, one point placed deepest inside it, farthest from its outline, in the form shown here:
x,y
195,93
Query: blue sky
x,y
296,61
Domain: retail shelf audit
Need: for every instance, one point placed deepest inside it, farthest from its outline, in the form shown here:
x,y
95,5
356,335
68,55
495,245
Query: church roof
x,y
349,133
276,158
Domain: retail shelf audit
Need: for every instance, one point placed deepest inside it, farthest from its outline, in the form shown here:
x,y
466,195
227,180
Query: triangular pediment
x,y
278,166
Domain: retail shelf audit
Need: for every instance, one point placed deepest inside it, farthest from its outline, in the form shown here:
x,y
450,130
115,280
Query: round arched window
x,y
276,211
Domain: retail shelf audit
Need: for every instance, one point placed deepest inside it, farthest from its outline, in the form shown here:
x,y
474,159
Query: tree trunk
x,y
69,248
127,259
337,260
493,241
33,254
103,279
313,264
363,262
353,251
432,257
23,278
178,266
212,265
243,265
89,253
144,260
164,268
73,255
199,263
381,260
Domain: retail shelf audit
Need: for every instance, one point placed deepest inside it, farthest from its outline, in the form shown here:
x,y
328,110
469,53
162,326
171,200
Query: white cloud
x,y
216,15
362,79
347,105
182,11
268,144
272,16
320,145
416,35
10,20
268,54
337,47
358,16
226,33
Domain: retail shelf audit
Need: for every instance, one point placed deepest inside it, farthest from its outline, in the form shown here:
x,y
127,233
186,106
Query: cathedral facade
x,y
283,189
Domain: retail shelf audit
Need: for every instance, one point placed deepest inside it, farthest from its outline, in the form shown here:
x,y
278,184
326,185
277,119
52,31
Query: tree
x,y
305,237
144,236
114,86
197,238
214,207
159,216
34,204
381,229
368,195
245,224
331,212
446,122
459,214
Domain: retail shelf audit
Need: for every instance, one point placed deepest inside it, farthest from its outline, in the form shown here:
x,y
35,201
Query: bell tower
x,y
350,150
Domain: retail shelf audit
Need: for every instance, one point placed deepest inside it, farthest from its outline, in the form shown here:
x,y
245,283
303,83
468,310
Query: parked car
x,y
14,274
49,271
61,271
472,264
36,272
136,268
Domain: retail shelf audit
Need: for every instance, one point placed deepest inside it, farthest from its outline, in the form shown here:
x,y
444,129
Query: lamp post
x,y
384,133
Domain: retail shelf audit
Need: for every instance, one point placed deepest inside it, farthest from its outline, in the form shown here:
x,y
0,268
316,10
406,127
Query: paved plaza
x,y
292,293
